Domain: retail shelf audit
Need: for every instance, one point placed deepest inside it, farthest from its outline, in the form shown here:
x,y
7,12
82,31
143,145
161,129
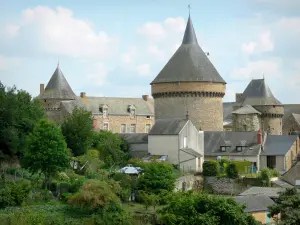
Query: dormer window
x,y
131,110
239,148
105,113
223,148
225,145
104,110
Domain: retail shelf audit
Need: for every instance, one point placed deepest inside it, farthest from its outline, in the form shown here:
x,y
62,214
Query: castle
x,y
188,82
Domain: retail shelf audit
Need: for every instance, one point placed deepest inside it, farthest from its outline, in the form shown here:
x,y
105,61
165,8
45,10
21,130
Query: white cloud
x,y
256,70
130,55
155,31
264,44
60,33
99,75
143,70
12,30
156,52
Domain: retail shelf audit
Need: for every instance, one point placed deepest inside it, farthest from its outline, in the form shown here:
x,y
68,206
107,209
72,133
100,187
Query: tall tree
x,y
198,208
77,129
18,115
46,150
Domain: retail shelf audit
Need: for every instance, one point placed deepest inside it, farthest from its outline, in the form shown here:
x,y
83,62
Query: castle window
x,y
245,127
132,128
123,128
148,126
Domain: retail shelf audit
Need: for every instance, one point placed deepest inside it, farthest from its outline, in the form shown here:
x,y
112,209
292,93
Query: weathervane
x,y
189,6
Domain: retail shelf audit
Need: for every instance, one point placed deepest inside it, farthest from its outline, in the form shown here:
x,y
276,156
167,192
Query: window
x,y
148,117
132,112
105,126
123,128
184,142
245,127
148,126
271,162
132,128
105,112
239,148
223,148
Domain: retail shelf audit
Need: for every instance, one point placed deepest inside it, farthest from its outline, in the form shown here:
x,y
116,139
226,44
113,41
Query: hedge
x,y
211,168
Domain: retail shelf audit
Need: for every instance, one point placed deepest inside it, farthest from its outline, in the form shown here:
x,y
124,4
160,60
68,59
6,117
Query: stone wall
x,y
115,122
189,182
251,121
203,100
223,186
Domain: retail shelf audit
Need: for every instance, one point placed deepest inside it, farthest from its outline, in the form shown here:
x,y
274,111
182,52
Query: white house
x,y
180,141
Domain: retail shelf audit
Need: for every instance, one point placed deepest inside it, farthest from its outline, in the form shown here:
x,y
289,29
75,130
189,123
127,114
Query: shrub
x,y
242,166
274,173
231,171
211,168
265,176
13,194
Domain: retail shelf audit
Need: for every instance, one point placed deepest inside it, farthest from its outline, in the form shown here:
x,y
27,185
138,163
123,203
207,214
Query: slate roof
x,y
119,106
278,144
247,109
168,126
58,87
296,118
214,139
189,63
267,191
258,93
136,138
191,151
71,104
255,203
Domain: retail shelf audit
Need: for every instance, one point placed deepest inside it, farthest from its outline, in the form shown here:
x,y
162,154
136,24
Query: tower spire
x,y
58,63
189,34
189,6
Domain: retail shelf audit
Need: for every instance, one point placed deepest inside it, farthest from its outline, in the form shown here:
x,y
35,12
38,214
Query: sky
x,y
116,48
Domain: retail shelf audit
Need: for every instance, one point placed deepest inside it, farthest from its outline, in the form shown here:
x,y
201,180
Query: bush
x,y
211,168
274,173
231,171
265,176
242,166
13,194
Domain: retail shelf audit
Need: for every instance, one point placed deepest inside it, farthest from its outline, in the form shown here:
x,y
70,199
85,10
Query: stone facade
x,y
121,123
203,101
247,122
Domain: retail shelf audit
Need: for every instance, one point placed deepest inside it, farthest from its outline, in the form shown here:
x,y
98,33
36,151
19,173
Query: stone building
x,y
190,82
246,119
268,109
119,115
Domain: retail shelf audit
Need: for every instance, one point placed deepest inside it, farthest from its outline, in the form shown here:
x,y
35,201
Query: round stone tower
x,y
258,95
190,82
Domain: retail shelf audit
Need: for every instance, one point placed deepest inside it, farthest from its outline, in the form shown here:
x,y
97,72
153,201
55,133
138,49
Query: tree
x,y
18,115
231,171
157,177
211,168
46,150
198,208
77,129
288,206
113,147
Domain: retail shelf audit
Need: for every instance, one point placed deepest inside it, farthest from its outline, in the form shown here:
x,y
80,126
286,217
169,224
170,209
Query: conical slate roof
x,y
58,87
189,63
247,109
258,93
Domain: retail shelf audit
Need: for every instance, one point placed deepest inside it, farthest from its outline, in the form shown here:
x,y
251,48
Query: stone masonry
x,y
247,122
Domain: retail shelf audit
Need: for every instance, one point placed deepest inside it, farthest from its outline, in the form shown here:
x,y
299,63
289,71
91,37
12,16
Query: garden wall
x,y
189,182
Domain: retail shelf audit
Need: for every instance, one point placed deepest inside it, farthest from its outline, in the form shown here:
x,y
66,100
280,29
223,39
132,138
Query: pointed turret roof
x,y
258,93
58,87
189,63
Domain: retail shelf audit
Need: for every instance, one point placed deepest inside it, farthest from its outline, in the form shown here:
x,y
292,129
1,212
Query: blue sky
x,y
116,48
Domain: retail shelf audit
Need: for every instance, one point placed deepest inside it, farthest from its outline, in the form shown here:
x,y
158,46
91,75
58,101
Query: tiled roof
x,y
255,203
189,63
58,87
247,109
119,106
168,126
278,144
213,140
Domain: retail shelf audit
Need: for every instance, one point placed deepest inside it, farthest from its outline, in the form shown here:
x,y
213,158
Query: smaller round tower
x,y
258,95
246,118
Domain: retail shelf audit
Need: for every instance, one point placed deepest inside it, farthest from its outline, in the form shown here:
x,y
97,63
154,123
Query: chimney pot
x,y
42,89
82,94
145,97
259,137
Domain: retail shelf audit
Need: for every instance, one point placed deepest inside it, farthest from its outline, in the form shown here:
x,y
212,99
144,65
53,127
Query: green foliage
x,y
18,115
211,168
265,176
198,208
13,194
157,177
46,150
125,180
274,172
288,205
242,166
231,171
113,147
91,161
224,162
77,129
148,199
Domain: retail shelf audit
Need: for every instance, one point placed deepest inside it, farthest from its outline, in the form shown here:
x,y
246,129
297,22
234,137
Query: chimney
x,y
238,97
42,89
82,94
259,137
145,97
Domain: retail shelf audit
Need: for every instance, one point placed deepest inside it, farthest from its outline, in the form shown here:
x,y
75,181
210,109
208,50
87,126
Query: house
x,y
292,176
238,146
180,141
138,144
280,152
257,206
